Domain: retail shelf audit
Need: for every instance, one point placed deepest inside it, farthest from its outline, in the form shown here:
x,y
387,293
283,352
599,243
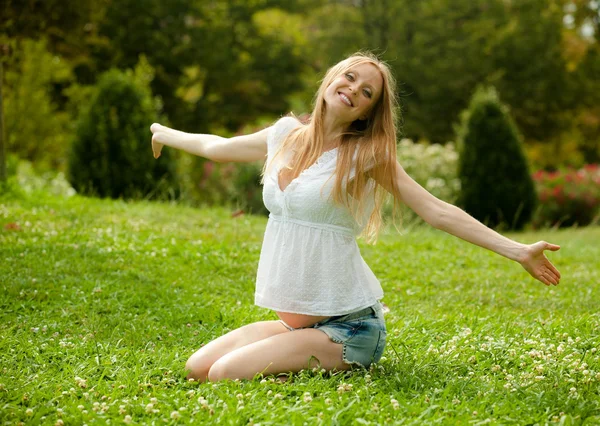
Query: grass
x,y
103,301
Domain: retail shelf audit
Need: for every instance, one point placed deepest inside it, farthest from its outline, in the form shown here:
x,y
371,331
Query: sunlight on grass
x,y
103,301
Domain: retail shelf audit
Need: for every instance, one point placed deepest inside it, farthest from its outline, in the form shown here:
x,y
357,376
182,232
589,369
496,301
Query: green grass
x,y
102,302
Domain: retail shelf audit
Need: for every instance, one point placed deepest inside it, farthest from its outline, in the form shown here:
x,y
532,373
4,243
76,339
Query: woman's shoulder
x,y
287,123
282,127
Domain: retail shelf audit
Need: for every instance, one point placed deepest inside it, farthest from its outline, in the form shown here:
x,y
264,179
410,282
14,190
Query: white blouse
x,y
310,262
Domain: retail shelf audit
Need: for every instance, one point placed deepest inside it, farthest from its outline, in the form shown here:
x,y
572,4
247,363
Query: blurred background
x,y
83,80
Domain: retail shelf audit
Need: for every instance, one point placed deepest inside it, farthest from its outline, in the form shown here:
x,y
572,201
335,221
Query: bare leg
x,y
281,353
201,361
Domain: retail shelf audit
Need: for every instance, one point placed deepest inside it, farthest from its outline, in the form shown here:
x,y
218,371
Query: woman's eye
x,y
349,76
367,93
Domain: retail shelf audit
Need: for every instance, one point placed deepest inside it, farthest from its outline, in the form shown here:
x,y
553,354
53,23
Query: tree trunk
x,y
2,149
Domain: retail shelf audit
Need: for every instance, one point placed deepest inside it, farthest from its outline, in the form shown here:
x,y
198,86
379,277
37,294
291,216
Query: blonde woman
x,y
324,184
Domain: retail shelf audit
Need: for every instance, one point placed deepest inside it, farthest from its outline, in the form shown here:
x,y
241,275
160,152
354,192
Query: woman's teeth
x,y
345,99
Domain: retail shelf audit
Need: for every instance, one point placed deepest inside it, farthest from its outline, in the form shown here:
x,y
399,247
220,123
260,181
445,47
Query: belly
x,y
299,320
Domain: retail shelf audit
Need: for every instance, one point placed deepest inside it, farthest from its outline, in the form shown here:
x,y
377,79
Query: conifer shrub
x,y
496,186
111,155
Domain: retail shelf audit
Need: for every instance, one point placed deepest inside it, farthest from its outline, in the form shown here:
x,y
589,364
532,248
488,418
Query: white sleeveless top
x,y
310,262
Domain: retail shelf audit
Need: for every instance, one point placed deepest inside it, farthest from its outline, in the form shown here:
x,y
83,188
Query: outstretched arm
x,y
451,219
245,148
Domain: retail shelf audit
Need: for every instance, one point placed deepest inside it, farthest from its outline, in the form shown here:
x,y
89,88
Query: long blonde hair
x,y
373,140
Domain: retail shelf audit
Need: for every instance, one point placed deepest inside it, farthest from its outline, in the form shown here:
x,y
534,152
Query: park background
x,y
471,341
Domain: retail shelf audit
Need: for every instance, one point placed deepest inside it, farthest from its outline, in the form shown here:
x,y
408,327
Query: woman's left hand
x,y
537,264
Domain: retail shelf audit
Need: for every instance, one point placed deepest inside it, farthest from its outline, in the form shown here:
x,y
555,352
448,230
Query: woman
x,y
324,183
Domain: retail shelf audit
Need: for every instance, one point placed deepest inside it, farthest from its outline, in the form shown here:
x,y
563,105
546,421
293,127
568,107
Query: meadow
x,y
103,301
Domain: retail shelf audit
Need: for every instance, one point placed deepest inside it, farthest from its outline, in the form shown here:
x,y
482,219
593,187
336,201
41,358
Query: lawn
x,y
103,301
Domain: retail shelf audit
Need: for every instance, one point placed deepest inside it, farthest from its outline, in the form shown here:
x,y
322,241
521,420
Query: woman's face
x,y
352,95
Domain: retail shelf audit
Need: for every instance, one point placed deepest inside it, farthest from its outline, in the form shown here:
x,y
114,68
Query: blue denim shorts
x,y
362,334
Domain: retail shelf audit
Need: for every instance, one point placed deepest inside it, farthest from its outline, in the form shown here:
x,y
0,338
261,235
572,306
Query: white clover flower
x,y
127,419
175,415
344,387
328,401
29,412
307,397
149,408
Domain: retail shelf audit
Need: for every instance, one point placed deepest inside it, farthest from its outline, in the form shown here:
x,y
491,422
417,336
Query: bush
x,y
36,129
568,197
247,190
111,156
435,167
496,187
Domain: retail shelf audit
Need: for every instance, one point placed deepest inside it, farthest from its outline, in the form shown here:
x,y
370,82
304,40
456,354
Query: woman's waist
x,y
295,320
347,229
299,320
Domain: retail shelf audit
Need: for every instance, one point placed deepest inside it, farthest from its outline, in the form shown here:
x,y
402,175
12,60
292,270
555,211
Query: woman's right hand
x,y
157,133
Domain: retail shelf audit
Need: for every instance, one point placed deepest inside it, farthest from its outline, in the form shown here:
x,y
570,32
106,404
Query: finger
x,y
553,269
552,247
550,278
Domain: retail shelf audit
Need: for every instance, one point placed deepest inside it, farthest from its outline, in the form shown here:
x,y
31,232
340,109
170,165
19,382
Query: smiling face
x,y
352,94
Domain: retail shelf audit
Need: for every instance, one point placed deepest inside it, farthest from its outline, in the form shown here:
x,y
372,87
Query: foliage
x,y
568,197
496,187
205,183
219,65
52,183
224,65
36,130
247,190
434,167
134,288
111,156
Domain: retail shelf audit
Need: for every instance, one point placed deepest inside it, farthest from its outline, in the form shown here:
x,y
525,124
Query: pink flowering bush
x,y
568,197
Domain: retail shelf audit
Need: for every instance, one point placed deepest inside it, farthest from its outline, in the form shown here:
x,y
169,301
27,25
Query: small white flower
x,y
29,412
127,419
175,415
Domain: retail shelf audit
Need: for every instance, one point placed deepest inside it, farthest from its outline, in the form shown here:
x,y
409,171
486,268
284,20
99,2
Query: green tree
x,y
36,130
111,155
496,186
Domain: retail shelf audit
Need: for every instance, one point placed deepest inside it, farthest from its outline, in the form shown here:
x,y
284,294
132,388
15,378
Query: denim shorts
x,y
362,334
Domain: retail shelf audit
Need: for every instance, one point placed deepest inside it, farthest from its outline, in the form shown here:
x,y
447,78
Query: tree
x,y
111,155
496,186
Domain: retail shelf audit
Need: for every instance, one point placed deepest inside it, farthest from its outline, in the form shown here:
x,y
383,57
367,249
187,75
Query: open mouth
x,y
345,99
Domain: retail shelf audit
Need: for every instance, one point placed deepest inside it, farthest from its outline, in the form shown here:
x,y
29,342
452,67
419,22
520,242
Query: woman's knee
x,y
197,367
221,370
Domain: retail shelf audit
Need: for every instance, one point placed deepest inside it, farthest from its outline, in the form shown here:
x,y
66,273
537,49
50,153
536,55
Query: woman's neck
x,y
332,130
